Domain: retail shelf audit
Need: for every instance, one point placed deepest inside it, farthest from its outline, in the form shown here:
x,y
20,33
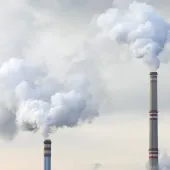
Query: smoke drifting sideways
x,y
140,27
31,100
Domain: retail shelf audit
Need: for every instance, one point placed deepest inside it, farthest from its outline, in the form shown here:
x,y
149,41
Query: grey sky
x,y
59,29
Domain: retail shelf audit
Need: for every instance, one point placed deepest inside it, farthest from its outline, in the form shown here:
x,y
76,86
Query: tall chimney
x,y
47,155
153,123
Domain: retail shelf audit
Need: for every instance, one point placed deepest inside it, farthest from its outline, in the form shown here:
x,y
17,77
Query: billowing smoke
x,y
31,100
140,27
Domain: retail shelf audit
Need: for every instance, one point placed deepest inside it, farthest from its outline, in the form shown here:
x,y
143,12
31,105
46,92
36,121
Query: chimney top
x,y
153,73
47,141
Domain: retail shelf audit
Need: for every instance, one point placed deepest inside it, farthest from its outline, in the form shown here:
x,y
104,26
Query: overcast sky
x,y
51,31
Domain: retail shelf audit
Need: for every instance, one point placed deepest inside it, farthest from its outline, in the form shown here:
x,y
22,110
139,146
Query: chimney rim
x,y
47,141
153,73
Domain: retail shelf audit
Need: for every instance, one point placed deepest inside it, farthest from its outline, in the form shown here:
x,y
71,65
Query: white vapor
x,y
164,161
31,100
18,27
140,27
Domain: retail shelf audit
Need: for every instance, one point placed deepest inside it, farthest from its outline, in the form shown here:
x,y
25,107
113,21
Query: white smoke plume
x,y
18,26
31,100
140,27
164,161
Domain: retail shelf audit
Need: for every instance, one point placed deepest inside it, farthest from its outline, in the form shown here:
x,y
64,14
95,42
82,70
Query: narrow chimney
x,y
153,123
47,155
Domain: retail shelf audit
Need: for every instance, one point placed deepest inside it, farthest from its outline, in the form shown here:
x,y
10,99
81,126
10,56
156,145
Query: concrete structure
x,y
153,129
47,155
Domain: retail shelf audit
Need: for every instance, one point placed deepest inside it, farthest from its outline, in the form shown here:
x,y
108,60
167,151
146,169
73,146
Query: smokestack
x,y
47,154
153,123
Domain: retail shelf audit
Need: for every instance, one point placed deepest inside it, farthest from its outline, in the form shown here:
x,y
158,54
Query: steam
x,y
31,100
140,27
164,161
17,28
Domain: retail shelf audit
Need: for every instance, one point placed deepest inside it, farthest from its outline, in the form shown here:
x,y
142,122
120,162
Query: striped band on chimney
x,y
47,155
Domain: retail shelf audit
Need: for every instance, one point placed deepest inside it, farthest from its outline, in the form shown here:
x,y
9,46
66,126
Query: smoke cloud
x,y
164,161
140,27
17,28
31,100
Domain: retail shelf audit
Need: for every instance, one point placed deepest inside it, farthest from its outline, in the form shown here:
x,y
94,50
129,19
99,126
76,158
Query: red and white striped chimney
x,y
47,154
153,124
